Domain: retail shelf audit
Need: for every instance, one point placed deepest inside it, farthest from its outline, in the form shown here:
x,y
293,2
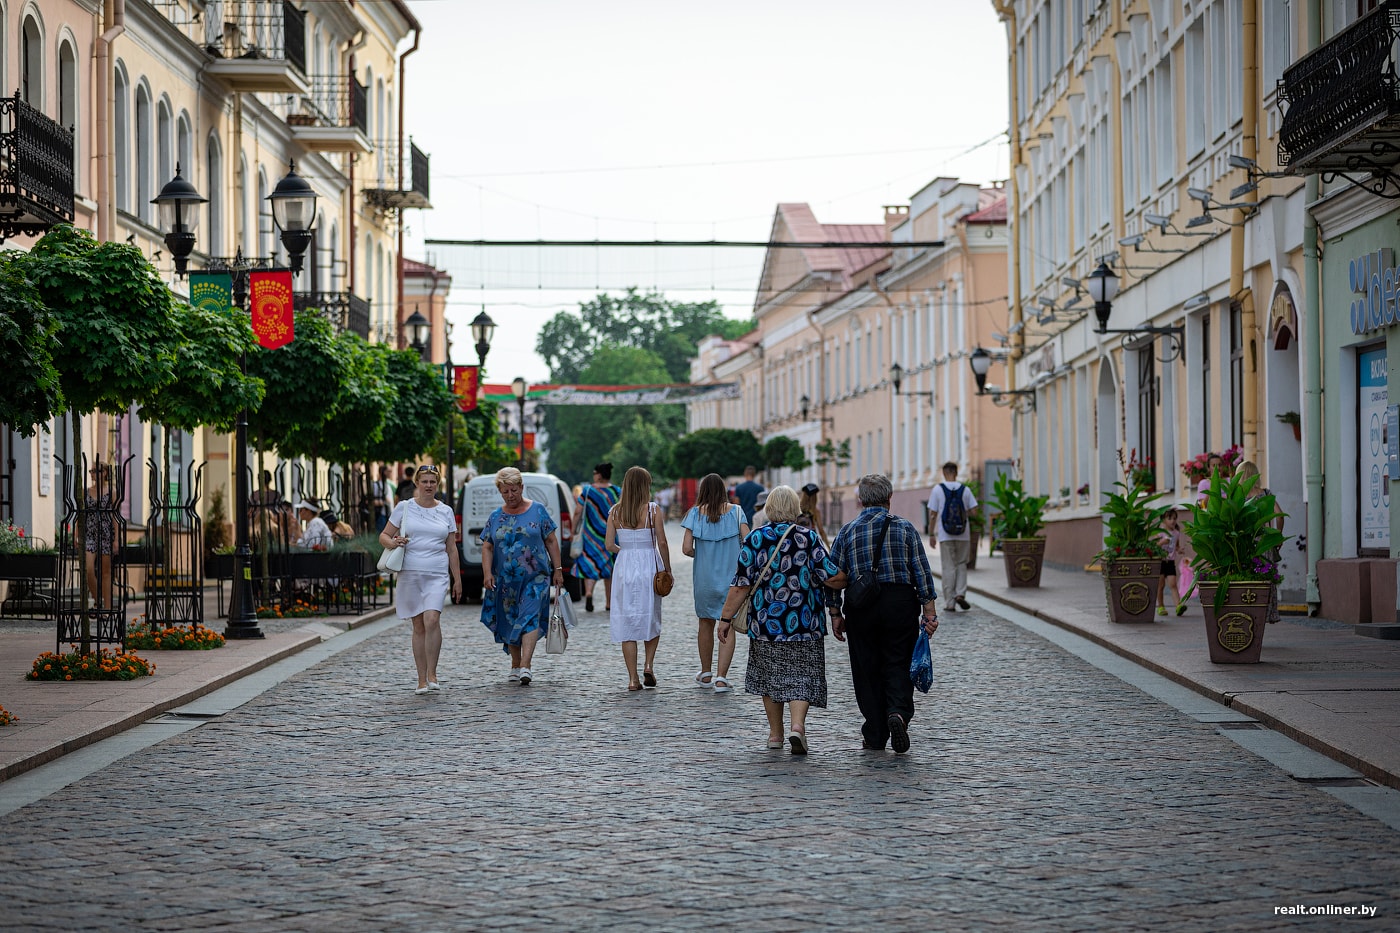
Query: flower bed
x,y
7,718
297,610
103,665
176,638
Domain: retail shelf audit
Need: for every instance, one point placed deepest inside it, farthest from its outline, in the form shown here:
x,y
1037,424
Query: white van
x,y
480,497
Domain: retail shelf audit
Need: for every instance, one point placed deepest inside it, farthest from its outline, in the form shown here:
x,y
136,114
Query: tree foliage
x,y
303,381
783,451
209,385
643,444
30,392
357,422
475,437
725,451
422,402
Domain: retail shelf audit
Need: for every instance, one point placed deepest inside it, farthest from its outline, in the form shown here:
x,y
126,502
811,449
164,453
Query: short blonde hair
x,y
509,476
782,505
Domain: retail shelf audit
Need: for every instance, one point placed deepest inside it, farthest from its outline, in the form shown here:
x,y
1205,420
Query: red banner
x,y
466,381
529,440
270,298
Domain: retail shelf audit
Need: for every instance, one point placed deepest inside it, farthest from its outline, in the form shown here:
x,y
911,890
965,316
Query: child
x,y
1171,542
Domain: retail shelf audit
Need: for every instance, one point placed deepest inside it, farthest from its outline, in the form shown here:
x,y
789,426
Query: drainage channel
x,y
1296,760
35,785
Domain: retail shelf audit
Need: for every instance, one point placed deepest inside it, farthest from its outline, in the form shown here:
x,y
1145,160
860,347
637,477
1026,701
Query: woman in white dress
x,y
429,563
637,535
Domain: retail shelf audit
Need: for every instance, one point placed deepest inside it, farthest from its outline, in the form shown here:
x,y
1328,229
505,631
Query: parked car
x,y
480,497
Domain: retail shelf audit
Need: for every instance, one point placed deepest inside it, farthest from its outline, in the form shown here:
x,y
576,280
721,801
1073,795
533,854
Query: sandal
x,y
799,743
704,679
775,743
722,685
632,687
649,680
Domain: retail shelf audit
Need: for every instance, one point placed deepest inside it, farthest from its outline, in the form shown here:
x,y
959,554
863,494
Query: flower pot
x,y
1131,588
1235,634
28,566
1023,557
974,539
1297,432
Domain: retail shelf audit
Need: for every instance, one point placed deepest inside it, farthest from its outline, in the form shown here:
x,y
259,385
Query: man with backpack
x,y
949,509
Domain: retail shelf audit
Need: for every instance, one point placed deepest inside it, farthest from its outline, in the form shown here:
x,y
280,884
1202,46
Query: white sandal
x,y
722,685
704,679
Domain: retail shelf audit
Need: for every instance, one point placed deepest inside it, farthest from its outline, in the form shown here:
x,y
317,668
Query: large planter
x,y
974,540
28,566
1235,633
1131,588
218,567
1024,558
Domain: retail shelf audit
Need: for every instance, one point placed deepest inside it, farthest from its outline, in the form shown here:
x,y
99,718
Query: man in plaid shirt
x,y
882,635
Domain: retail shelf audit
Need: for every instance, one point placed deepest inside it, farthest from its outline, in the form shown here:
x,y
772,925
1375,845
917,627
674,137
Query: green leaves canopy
x,y
363,407
418,413
1021,516
725,451
1132,523
783,451
1230,530
30,392
303,381
209,386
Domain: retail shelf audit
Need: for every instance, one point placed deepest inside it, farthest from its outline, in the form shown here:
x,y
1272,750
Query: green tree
x,y
670,329
725,451
783,451
357,422
209,387
303,385
476,438
643,444
30,392
581,435
419,412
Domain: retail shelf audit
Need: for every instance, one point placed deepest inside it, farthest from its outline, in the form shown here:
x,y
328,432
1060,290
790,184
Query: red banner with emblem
x,y
270,298
466,381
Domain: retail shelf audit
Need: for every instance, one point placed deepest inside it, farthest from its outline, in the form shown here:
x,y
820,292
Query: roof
x,y
795,222
414,267
993,211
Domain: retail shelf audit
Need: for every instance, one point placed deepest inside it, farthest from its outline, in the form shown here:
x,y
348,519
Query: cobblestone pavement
x,y
1040,793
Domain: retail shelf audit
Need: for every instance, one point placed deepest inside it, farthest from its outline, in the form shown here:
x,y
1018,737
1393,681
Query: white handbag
x,y
391,560
561,619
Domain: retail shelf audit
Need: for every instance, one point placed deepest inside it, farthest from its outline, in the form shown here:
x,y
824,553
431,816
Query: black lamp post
x,y
981,361
519,387
897,379
1103,288
419,332
293,208
483,329
178,208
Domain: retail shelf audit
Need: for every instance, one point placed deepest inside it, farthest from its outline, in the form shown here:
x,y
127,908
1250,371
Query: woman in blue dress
x,y
518,548
595,563
714,529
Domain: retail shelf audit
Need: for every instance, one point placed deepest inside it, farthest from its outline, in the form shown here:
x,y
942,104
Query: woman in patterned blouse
x,y
782,569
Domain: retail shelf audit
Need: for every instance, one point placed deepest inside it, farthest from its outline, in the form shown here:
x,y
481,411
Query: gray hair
x,y
874,489
782,505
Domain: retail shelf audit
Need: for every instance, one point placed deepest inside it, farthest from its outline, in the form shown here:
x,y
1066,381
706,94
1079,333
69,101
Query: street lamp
x,y
981,361
1103,288
519,387
177,206
293,207
419,330
483,329
897,378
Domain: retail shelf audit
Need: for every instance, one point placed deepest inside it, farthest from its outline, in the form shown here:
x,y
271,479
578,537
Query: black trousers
x,y
881,639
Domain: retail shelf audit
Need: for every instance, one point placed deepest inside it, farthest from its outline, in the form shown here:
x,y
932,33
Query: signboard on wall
x,y
46,462
1372,401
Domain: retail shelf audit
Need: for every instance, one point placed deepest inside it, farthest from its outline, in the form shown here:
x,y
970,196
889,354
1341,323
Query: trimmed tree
x,y
725,451
783,451
303,384
30,393
420,408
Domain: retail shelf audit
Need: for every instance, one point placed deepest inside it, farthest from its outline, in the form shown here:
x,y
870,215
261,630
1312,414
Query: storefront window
x,y
1372,398
1147,404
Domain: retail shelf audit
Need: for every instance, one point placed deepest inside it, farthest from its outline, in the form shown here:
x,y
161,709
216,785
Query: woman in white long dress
x,y
637,535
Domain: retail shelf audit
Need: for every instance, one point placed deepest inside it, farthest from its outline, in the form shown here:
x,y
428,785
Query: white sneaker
x,y
514,673
524,676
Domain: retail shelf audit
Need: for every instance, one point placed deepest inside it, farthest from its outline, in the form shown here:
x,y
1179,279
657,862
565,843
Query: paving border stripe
x,y
1234,701
54,752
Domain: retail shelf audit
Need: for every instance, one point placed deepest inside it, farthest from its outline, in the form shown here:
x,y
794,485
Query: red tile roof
x,y
414,267
803,226
991,212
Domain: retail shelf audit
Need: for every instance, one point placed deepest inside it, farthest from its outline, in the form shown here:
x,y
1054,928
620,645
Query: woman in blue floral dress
x,y
782,570
518,549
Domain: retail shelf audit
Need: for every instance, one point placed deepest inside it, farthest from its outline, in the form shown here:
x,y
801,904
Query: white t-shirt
x,y
935,511
316,534
427,534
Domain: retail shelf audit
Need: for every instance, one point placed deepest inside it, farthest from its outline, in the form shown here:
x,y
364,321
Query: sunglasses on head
x,y
428,468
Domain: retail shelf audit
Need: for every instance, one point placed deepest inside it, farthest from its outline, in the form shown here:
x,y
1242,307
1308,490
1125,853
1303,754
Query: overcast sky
x,y
670,120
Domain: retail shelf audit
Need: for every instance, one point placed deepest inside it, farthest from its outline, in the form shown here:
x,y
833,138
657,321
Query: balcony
x,y
346,310
333,117
257,45
1342,104
36,170
415,171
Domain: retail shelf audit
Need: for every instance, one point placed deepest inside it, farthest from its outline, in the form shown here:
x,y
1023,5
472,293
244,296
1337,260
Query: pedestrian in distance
x,y
382,497
1244,470
519,562
747,493
428,531
950,506
1172,543
784,574
100,533
315,534
759,518
637,536
1214,463
594,503
714,530
811,512
883,632
406,485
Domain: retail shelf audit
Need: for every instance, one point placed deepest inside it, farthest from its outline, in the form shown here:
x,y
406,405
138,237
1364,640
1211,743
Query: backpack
x,y
954,514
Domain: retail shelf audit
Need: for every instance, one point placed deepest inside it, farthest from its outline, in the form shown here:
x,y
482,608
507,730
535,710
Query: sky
x,y
620,119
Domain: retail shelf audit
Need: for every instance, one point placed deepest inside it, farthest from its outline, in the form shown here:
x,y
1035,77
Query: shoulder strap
x,y
777,549
880,544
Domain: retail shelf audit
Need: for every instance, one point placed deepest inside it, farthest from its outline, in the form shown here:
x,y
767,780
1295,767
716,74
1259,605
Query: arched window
x,y
316,264
68,102
165,143
245,211
184,146
375,309
31,63
381,126
381,293
265,244
143,133
214,191
332,249
121,132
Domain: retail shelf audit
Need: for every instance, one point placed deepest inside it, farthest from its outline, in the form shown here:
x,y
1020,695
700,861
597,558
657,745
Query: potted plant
x,y
1235,536
1016,526
1132,553
1292,418
1083,494
20,559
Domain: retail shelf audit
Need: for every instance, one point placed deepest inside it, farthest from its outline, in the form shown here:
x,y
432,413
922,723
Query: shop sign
x,y
1375,278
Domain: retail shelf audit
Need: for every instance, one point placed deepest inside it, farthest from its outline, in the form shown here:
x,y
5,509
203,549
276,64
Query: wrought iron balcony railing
x,y
1342,101
256,29
387,194
346,310
333,102
36,170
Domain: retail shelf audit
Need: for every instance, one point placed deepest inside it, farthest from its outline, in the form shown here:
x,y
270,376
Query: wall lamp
x,y
981,361
1103,288
806,404
897,377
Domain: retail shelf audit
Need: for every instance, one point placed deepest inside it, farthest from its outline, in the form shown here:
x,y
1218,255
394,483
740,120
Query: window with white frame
x,y
1277,43
144,132
121,139
1164,123
68,102
31,63
1196,99
1130,150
